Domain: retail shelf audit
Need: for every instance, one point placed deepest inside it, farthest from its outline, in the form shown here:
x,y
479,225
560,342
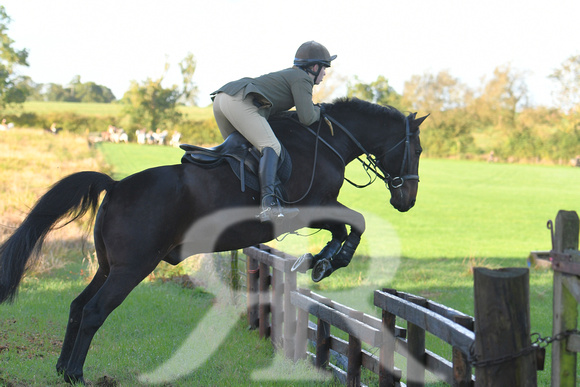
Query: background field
x,y
96,109
467,214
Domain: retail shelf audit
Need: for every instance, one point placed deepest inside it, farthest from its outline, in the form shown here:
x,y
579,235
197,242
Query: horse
x,y
134,230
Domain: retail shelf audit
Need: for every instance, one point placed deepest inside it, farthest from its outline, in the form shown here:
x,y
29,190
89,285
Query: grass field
x,y
467,214
98,109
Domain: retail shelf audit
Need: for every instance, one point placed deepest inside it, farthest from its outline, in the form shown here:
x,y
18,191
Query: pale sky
x,y
114,42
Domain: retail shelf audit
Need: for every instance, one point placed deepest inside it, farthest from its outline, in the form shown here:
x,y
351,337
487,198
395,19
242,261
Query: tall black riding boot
x,y
272,209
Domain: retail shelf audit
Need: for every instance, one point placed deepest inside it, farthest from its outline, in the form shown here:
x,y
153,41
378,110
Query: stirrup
x,y
275,212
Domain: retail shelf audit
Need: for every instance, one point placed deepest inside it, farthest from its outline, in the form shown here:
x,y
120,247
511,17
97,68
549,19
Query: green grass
x,y
85,109
131,158
467,214
98,109
155,324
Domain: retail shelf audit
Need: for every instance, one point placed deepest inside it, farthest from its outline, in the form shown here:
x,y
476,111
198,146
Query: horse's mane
x,y
346,104
364,107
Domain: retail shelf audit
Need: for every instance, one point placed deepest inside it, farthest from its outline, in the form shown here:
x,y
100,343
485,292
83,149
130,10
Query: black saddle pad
x,y
243,158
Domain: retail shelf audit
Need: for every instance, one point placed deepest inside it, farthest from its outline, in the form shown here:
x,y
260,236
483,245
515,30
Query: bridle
x,y
374,165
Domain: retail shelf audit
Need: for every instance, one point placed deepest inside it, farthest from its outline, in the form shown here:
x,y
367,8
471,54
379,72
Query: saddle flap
x,y
240,155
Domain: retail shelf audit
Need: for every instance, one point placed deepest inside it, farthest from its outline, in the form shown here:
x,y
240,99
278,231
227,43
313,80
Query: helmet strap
x,y
315,73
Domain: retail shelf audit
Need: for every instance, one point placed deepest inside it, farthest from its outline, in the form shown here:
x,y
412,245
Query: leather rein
x,y
372,164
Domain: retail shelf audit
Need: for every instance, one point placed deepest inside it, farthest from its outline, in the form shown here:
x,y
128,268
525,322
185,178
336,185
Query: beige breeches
x,y
235,113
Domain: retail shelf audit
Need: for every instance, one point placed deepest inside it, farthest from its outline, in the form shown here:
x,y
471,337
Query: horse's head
x,y
398,160
388,139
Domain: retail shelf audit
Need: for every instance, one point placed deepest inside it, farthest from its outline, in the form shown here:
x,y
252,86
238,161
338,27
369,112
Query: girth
x,y
243,158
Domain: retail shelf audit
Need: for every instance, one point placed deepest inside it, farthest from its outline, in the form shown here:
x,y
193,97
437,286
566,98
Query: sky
x,y
115,42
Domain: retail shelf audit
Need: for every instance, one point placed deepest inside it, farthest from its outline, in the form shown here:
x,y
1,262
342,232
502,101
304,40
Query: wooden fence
x,y
496,344
282,312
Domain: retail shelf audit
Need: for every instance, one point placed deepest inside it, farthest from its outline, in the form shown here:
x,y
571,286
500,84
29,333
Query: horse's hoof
x,y
303,264
321,270
74,379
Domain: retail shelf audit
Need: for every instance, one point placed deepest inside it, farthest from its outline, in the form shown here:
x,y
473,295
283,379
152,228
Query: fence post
x,y
565,305
276,307
323,340
289,315
416,357
461,365
234,276
354,355
387,351
502,328
252,275
264,296
301,330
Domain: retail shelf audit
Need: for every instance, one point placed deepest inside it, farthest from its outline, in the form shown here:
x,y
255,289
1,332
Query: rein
x,y
372,164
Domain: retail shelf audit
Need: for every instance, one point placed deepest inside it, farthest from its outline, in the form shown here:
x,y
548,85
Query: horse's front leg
x,y
340,250
339,234
325,267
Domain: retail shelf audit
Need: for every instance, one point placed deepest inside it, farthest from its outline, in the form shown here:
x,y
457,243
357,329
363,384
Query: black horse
x,y
149,216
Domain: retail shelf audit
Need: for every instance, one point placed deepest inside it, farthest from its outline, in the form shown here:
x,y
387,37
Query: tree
x,y
75,91
55,92
149,105
12,87
448,129
568,78
189,91
435,93
378,91
152,106
89,92
501,97
33,89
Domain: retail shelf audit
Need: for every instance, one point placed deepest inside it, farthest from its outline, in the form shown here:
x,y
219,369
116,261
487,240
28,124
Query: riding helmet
x,y
311,53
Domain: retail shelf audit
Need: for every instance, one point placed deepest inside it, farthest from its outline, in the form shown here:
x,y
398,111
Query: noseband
x,y
374,165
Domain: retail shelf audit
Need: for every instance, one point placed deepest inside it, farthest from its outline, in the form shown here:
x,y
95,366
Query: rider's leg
x,y
245,117
220,106
271,206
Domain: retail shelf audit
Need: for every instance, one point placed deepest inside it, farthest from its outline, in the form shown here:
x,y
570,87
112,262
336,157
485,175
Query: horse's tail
x,y
73,196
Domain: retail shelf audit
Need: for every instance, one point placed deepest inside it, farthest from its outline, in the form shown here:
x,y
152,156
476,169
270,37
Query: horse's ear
x,y
419,121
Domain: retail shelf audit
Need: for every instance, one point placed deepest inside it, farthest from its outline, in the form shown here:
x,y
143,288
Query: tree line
x,y
494,121
75,91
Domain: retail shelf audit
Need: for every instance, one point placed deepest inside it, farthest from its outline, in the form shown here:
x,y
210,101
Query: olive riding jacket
x,y
278,91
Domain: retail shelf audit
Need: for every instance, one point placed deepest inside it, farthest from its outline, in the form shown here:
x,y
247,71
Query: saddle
x,y
242,157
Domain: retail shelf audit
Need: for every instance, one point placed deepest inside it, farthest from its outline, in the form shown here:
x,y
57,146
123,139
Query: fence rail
x,y
282,312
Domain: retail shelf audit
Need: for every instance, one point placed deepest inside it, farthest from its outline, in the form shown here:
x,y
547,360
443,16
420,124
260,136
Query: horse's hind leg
x,y
118,285
75,315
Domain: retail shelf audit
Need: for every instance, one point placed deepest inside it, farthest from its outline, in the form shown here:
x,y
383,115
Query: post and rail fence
x,y
282,312
496,343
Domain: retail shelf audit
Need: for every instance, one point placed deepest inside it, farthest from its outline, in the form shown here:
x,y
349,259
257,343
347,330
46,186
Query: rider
x,y
245,105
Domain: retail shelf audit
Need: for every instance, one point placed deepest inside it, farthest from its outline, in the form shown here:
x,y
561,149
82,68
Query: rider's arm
x,y
302,94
